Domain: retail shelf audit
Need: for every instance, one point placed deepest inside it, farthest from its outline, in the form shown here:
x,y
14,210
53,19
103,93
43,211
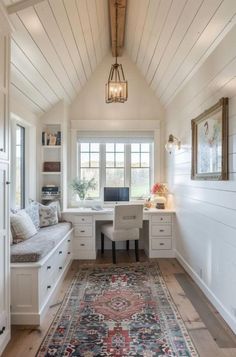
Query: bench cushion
x,y
37,247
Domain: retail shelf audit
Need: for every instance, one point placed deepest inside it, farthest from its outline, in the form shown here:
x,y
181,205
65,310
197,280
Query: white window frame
x,y
127,168
14,124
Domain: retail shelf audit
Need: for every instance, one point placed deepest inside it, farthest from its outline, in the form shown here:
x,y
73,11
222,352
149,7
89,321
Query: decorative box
x,y
52,166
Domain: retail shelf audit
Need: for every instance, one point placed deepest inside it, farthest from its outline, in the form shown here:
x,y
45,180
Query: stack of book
x,y
50,193
51,139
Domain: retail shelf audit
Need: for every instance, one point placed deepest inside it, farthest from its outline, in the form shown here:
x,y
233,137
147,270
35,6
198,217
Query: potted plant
x,y
82,186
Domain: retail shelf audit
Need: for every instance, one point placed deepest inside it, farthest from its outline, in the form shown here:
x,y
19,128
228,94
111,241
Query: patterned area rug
x,y
123,310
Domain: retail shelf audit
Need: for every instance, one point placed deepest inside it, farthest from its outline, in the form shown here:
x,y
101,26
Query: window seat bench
x,y
38,266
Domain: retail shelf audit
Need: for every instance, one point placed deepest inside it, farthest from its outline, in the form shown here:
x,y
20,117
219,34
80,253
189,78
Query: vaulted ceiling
x,y
57,44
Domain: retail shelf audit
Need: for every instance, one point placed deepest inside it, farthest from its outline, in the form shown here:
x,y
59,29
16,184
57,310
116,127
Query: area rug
x,y
118,310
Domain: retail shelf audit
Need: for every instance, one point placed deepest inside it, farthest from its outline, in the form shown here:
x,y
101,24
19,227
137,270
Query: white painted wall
x,y
142,111
206,211
142,103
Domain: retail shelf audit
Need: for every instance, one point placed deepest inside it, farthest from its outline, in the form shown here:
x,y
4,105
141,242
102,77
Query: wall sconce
x,y
172,144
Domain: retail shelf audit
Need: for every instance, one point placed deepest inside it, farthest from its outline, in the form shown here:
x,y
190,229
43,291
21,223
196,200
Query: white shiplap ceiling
x,y
57,44
170,39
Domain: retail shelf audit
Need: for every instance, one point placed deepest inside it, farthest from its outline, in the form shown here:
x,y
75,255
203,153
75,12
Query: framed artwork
x,y
210,143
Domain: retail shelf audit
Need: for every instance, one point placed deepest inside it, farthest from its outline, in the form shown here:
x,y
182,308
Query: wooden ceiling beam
x,y
122,4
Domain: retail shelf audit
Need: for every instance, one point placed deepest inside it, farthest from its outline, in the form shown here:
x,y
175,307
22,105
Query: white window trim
x,y
127,168
30,159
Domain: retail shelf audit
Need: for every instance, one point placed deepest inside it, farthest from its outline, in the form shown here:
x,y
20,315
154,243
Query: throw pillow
x,y
48,215
22,226
33,212
58,206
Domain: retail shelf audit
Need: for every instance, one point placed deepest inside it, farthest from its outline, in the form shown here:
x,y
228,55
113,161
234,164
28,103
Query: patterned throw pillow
x,y
48,215
58,206
22,226
33,212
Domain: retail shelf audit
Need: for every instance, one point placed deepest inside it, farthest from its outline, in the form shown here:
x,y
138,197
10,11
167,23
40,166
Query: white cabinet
x,y
158,241
33,285
4,258
4,186
84,242
161,243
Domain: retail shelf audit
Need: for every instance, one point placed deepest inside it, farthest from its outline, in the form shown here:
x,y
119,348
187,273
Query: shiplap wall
x,y
206,211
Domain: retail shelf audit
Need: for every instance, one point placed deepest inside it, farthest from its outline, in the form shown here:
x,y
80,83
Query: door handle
x,y
2,330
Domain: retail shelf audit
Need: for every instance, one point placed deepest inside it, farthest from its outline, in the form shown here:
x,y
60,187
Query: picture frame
x,y
210,143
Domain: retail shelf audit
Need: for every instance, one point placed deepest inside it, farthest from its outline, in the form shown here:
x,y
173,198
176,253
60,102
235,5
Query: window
x,y
117,164
90,165
140,170
20,167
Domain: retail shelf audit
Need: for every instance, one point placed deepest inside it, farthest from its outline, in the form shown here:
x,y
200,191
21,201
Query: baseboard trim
x,y
210,295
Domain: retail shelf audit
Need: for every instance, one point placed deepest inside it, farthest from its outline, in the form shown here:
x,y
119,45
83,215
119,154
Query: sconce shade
x,y
117,86
172,143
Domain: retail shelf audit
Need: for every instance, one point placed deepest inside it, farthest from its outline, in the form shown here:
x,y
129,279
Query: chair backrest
x,y
128,217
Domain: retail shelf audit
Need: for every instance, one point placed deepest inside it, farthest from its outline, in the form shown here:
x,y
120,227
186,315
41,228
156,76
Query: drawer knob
x,y
49,287
1,149
161,230
68,241
60,252
60,268
49,267
82,219
82,244
2,330
68,253
162,244
82,231
161,219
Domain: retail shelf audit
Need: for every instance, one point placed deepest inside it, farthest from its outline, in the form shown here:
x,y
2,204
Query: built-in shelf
x,y
51,146
51,173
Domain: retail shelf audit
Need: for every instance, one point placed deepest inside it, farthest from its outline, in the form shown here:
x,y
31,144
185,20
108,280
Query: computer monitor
x,y
116,194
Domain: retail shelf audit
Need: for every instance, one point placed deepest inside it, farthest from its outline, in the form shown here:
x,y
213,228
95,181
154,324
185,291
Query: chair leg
x,y
102,243
114,252
127,245
136,250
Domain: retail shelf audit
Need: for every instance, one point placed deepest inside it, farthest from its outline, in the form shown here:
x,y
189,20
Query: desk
x,y
158,238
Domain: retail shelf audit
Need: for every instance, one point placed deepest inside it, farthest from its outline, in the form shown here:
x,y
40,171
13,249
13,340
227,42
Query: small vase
x,y
81,202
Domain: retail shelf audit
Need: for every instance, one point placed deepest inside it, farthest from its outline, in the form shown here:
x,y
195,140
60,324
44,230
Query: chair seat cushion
x,y
119,235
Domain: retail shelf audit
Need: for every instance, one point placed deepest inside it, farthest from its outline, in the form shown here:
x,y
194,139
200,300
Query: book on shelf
x,y
51,139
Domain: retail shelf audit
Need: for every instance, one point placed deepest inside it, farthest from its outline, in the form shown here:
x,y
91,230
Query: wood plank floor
x,y
26,341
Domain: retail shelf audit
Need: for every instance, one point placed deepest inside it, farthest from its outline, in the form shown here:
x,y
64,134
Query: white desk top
x,y
111,210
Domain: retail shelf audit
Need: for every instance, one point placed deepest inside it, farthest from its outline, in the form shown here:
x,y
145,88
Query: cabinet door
x,y
4,255
4,110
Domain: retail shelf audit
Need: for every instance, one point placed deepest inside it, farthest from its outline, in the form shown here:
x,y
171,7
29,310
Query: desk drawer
x,y
83,219
161,230
83,231
82,244
161,218
161,243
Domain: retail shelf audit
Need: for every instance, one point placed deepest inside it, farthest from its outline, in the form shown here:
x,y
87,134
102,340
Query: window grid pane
x,y
115,164
90,166
140,170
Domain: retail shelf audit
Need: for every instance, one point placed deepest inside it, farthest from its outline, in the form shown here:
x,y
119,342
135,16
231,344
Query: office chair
x,y
128,219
